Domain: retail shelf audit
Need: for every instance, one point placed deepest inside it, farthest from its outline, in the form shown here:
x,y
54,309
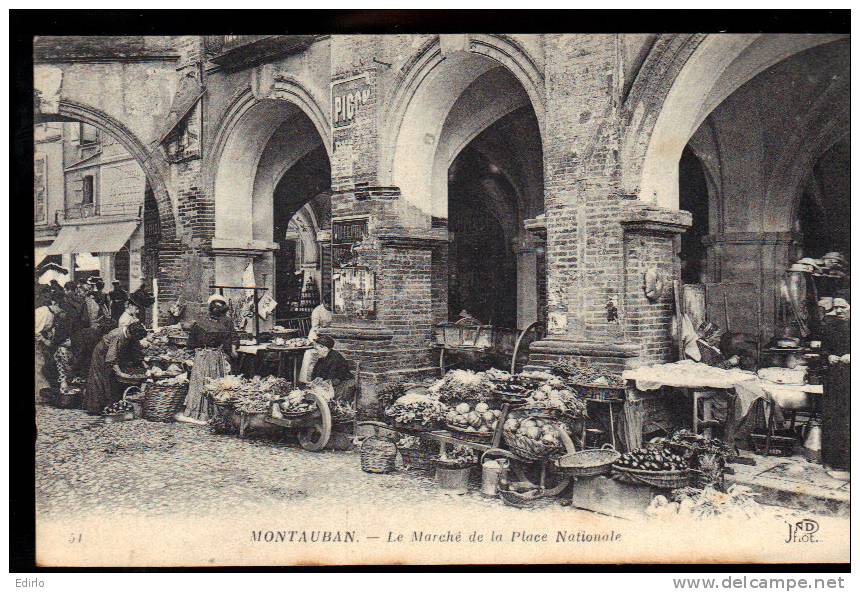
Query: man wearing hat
x,y
118,297
332,366
96,306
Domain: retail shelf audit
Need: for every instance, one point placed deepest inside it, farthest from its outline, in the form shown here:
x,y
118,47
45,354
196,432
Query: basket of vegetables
x,y
453,469
131,376
534,438
297,405
415,412
463,386
473,423
416,452
653,465
119,411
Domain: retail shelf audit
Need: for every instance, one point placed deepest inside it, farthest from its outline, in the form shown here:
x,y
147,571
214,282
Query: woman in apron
x,y
119,347
214,339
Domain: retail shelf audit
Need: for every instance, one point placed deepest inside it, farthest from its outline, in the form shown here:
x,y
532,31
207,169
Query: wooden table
x,y
285,354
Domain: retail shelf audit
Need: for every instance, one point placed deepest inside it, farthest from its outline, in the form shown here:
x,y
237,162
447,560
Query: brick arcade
x,y
562,150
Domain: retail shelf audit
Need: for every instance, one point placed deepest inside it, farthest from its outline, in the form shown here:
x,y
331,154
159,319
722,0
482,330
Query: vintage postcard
x,y
419,298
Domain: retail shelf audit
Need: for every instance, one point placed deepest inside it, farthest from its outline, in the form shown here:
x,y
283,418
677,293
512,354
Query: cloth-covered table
x,y
742,389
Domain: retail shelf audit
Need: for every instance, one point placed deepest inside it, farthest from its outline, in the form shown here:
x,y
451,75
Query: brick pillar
x,y
593,313
395,341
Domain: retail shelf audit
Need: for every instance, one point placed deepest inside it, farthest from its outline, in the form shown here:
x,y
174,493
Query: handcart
x,y
467,340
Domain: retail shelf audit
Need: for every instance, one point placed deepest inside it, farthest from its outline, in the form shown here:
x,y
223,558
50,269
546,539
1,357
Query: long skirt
x,y
102,388
836,418
41,380
208,363
309,360
63,359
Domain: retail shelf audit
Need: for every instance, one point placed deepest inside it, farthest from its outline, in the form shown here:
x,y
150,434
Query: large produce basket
x,y
466,436
531,449
417,458
589,463
130,379
163,402
659,479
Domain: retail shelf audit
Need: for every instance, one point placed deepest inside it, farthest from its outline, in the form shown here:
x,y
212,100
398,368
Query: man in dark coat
x,y
118,297
836,402
84,341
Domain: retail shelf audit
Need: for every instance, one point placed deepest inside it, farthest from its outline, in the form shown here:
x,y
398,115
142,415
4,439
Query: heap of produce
x,y
169,372
459,457
341,411
118,408
389,392
460,386
654,457
171,380
248,396
738,502
584,375
535,436
479,419
416,411
706,455
296,402
133,369
159,352
553,395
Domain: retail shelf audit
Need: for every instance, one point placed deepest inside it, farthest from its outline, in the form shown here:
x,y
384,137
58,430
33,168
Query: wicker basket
x,y
162,402
417,458
477,437
589,463
130,379
378,455
531,449
521,500
658,479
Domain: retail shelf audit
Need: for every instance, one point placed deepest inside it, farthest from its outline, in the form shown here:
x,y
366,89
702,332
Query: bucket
x,y
812,443
453,480
491,471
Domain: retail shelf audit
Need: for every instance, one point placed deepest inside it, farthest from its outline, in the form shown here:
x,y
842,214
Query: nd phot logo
x,y
802,531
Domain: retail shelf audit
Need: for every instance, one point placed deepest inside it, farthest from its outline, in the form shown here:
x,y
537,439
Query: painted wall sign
x,y
346,97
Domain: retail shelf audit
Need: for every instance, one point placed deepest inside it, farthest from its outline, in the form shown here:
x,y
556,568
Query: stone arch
x,y
425,95
239,148
687,89
153,166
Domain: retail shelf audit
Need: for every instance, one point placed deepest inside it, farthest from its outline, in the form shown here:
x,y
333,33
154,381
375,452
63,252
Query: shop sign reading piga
x,y
346,97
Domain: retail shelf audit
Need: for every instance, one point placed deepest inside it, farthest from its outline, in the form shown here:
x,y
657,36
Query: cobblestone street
x,y
85,466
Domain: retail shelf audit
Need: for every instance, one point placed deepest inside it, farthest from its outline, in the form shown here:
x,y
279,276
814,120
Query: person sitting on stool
x,y
332,366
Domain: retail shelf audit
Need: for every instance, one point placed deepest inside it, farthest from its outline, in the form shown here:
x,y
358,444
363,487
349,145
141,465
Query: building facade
x,y
89,196
521,178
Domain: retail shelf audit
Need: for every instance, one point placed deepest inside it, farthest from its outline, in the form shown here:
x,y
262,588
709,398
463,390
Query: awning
x,y
92,238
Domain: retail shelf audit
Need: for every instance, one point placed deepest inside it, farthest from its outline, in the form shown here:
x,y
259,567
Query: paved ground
x,y
85,466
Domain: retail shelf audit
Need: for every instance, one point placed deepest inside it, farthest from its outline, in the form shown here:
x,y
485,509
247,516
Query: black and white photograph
x,y
419,295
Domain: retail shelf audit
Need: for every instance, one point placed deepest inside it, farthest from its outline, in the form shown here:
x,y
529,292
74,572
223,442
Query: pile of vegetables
x,y
415,410
118,408
584,375
655,457
459,457
479,419
341,411
249,396
170,380
738,502
553,395
460,386
159,352
133,370
514,389
171,371
296,402
389,392
536,436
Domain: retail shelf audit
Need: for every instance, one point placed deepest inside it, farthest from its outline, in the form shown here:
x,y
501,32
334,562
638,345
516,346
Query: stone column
x,y
526,248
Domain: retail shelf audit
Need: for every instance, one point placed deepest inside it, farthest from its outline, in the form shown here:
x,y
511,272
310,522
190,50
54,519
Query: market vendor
x,y
332,366
214,338
118,348
118,299
133,312
836,402
320,317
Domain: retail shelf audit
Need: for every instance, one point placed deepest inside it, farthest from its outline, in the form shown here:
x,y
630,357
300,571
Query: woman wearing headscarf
x,y
213,336
118,348
332,366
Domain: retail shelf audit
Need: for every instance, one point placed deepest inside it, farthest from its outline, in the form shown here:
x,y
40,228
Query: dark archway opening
x,y
306,183
693,197
824,211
